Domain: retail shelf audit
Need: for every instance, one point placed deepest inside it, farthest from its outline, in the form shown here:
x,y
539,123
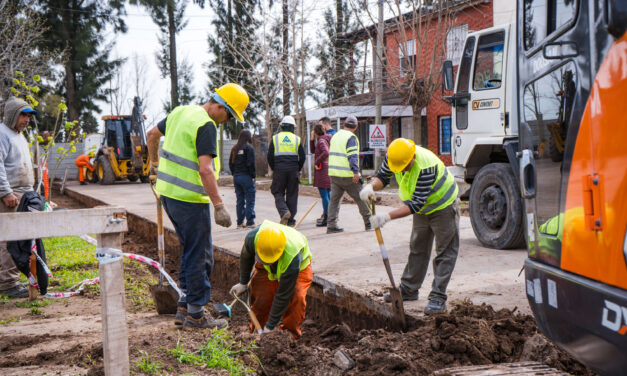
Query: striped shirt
x,y
423,185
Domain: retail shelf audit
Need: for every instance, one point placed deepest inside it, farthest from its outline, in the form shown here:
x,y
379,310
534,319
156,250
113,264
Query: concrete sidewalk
x,y
352,259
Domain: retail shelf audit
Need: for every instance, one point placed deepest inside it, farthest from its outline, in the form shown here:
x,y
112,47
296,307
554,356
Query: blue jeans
x,y
325,194
192,222
245,192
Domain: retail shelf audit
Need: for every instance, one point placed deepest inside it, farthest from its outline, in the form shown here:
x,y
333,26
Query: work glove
x,y
378,220
222,216
154,169
266,330
238,289
366,193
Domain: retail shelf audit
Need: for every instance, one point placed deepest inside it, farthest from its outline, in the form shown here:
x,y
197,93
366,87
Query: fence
x,y
68,162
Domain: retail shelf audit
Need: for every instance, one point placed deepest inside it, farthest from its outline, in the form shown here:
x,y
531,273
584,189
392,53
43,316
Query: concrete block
x,y
343,361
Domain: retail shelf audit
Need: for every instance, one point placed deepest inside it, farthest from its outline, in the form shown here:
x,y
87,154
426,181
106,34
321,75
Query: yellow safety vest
x,y
443,191
339,153
296,243
178,176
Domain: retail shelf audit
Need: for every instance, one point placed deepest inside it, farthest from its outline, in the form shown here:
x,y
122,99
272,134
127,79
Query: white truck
x,y
485,134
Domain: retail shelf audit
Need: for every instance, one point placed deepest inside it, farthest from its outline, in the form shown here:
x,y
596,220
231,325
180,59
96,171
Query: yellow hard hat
x,y
270,244
235,98
400,153
91,154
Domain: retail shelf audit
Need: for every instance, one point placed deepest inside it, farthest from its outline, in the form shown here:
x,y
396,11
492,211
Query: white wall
x,y
504,11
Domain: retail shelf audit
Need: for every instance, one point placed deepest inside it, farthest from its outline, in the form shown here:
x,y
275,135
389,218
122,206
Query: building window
x,y
455,43
407,56
445,135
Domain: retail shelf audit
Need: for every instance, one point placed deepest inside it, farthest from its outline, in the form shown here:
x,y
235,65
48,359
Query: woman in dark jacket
x,y
319,145
242,166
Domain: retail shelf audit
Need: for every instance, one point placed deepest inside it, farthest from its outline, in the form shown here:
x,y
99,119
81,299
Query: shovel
x,y
395,293
164,295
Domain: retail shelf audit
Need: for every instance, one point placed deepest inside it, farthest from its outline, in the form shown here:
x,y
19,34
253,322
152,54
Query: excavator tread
x,y
502,369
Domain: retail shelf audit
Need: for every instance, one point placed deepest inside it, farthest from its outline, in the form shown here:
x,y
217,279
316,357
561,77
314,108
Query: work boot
x,y
435,306
291,222
368,226
406,297
285,218
181,314
322,217
18,291
323,222
333,230
203,320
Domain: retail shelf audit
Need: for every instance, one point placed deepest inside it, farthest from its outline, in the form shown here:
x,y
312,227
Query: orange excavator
x,y
572,61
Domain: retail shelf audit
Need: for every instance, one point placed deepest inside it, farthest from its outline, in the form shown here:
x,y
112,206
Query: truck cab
x,y
485,134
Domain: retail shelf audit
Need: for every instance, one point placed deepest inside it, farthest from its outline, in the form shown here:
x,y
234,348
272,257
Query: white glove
x,y
366,192
266,330
377,221
238,289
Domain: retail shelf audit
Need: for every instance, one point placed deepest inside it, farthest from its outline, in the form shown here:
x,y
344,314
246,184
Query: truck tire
x,y
105,171
132,178
495,206
144,178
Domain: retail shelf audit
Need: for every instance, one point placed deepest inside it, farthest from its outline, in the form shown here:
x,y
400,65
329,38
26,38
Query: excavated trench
x,y
326,302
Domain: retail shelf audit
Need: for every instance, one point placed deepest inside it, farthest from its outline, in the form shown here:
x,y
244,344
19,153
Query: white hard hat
x,y
288,120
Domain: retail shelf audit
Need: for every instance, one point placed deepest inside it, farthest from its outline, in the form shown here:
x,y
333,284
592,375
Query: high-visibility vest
x,y
339,153
178,176
296,243
286,149
443,190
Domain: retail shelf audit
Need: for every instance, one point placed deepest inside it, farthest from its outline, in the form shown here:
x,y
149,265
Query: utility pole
x,y
378,80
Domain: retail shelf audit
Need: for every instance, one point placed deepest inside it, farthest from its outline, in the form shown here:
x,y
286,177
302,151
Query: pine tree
x,y
185,94
234,32
78,28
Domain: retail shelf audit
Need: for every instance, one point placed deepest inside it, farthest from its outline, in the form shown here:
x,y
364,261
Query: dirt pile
x,y
468,335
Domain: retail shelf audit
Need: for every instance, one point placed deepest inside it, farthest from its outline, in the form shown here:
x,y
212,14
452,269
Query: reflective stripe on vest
x,y
286,144
295,243
443,192
339,153
178,175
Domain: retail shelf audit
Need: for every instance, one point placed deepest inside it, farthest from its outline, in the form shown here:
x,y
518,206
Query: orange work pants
x,y
262,294
82,168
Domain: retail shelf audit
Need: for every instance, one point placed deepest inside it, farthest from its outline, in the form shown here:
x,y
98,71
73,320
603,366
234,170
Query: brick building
x,y
435,43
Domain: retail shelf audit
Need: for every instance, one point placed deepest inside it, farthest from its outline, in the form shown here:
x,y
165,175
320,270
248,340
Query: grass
x,y
218,352
10,320
71,260
35,311
148,366
34,303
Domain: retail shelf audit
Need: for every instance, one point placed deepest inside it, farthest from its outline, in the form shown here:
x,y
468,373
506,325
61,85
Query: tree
x,y
78,28
185,95
413,50
20,30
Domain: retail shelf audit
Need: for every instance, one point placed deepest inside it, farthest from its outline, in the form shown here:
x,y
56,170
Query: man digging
x,y
282,275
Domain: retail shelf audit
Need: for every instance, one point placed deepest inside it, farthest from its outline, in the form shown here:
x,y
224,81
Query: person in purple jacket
x,y
319,145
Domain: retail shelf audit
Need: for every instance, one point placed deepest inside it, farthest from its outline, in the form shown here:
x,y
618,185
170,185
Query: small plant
x,y
10,320
35,311
4,299
146,365
34,303
218,352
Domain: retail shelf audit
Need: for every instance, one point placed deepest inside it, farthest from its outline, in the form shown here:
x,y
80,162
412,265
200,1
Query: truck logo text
x,y
614,316
485,104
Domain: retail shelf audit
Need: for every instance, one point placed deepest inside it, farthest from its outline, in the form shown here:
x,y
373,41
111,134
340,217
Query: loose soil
x,y
67,339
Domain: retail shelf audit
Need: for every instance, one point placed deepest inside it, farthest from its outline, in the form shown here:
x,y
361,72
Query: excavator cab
x,y
124,153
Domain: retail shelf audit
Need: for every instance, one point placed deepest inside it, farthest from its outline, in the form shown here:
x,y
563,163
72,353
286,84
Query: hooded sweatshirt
x,y
16,168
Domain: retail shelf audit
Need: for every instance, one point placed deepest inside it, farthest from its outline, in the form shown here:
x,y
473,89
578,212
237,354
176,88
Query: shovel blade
x,y
165,298
397,306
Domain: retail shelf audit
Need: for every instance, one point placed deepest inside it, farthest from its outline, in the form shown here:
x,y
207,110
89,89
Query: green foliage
x,y
147,366
33,303
10,320
35,311
71,260
218,352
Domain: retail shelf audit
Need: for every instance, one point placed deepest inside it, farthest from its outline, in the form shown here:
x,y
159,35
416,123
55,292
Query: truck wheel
x,y
495,207
144,178
132,178
105,172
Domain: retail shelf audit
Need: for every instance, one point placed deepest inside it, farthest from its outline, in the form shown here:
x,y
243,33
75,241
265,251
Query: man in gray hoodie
x,y
16,178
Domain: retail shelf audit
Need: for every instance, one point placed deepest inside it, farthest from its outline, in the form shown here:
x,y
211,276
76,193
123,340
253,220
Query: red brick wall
x,y
477,17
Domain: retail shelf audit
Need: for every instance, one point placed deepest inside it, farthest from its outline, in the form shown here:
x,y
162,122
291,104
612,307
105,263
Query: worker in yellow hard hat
x,y
430,196
83,164
282,275
186,174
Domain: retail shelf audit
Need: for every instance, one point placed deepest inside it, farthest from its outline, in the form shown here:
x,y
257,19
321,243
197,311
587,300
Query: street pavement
x,y
352,258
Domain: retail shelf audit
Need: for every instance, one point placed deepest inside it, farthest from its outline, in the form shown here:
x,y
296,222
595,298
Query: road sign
x,y
377,136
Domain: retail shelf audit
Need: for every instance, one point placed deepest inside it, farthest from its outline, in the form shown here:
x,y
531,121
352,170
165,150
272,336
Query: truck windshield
x,y
489,62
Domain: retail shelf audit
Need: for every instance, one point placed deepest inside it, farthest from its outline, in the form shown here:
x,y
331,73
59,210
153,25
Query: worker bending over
x,y
82,162
286,157
430,194
186,172
282,262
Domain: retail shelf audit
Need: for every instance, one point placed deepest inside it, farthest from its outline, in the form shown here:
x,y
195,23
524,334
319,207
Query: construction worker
x,y
286,157
430,195
344,173
186,179
282,276
82,162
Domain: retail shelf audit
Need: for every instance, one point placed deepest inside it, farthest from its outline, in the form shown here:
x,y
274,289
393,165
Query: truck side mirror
x,y
447,75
